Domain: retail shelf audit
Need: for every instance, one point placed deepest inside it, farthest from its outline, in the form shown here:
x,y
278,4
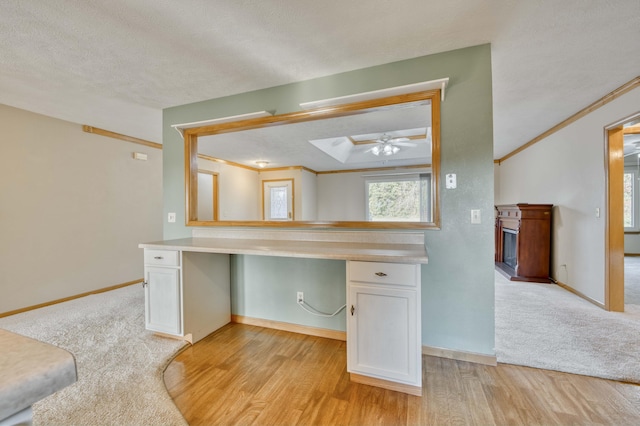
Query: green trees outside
x,y
396,201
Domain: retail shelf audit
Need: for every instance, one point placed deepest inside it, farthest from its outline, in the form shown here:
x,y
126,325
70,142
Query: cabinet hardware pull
x,y
158,257
353,309
381,274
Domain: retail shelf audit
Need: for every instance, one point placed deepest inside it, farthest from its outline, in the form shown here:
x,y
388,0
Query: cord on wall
x,y
314,311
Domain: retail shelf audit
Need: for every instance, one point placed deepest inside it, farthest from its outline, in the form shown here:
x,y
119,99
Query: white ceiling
x,y
291,145
116,64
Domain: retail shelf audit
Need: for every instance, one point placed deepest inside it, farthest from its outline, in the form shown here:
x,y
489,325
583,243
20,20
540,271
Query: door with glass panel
x,y
277,197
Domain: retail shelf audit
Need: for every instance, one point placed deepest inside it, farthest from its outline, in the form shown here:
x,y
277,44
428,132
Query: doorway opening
x,y
621,208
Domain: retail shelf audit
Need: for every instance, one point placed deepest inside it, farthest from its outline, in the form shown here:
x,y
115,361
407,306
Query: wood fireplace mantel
x,y
523,241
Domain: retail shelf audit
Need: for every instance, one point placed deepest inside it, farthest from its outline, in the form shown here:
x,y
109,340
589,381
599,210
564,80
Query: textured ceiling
x,y
116,64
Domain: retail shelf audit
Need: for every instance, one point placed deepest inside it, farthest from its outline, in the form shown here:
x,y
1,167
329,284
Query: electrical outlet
x,y
300,297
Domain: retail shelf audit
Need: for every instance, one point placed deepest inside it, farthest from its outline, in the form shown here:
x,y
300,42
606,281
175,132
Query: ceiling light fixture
x,y
262,164
385,149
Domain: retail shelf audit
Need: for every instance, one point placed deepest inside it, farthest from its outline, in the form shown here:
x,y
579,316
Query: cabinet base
x,y
386,384
510,274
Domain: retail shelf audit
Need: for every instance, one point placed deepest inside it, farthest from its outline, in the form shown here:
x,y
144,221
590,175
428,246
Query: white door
x,y
382,328
278,199
162,300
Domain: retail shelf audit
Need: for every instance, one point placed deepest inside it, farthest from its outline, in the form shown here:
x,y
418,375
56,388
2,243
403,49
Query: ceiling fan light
x,y
376,150
389,149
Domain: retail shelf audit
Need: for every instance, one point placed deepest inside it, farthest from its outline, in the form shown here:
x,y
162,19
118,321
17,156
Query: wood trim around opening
x,y
293,196
191,146
614,227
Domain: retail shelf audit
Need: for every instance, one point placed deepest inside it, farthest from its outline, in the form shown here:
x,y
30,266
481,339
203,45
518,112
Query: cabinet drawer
x,y
384,273
162,257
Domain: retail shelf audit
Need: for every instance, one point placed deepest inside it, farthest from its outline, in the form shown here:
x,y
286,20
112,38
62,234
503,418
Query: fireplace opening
x,y
509,247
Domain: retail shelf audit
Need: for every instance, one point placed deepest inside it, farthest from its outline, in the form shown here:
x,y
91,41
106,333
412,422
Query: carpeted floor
x,y
120,364
545,326
632,280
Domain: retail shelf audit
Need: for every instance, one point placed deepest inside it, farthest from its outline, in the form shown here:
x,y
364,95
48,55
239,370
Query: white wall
x,y
73,208
632,243
632,239
238,191
341,196
568,170
309,191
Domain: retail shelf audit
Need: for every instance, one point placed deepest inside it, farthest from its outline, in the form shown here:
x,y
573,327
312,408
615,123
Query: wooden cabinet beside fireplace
x,y
523,241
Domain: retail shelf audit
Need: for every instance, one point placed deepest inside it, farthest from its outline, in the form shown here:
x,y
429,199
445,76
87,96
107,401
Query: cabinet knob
x,y
381,274
353,309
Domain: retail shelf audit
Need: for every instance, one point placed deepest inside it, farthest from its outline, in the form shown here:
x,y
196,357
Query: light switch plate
x,y
450,181
171,217
475,216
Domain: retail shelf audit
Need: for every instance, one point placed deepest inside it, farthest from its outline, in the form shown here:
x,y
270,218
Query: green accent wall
x,y
458,282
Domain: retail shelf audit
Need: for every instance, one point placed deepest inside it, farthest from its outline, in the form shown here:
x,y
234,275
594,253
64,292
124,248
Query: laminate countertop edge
x,y
31,370
370,252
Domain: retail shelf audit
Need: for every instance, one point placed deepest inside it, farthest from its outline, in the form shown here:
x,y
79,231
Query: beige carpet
x,y
632,280
120,364
545,326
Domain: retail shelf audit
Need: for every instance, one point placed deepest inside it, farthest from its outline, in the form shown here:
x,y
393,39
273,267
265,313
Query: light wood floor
x,y
255,376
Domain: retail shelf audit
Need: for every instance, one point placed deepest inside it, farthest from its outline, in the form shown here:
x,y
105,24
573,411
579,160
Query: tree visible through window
x,y
629,200
399,198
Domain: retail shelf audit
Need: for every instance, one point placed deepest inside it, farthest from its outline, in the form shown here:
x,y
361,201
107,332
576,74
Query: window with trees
x,y
398,198
630,200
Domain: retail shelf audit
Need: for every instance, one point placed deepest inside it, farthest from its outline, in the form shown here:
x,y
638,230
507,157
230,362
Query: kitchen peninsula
x,y
187,289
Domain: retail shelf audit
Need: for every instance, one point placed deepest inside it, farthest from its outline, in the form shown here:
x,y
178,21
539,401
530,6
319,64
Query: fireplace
x,y
509,244
523,241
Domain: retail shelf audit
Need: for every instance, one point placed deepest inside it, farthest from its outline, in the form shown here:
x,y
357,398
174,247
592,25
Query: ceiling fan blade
x,y
409,144
396,140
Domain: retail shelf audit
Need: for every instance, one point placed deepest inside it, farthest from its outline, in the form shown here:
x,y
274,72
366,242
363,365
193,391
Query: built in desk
x,y
187,291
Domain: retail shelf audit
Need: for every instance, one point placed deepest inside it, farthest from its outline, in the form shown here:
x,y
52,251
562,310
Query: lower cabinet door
x,y
382,333
162,300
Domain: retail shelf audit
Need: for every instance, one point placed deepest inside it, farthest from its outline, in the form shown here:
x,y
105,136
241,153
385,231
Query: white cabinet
x,y
187,294
163,291
383,325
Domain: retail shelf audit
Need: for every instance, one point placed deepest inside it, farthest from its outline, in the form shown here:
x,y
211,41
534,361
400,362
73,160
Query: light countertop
x,y
31,370
372,252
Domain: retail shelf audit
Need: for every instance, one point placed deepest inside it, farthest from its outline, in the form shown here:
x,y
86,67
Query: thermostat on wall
x,y
140,156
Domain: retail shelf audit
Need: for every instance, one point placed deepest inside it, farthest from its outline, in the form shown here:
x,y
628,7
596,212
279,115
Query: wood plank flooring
x,y
246,375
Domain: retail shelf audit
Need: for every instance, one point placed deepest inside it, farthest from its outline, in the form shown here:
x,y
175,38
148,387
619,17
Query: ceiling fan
x,y
631,144
388,145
